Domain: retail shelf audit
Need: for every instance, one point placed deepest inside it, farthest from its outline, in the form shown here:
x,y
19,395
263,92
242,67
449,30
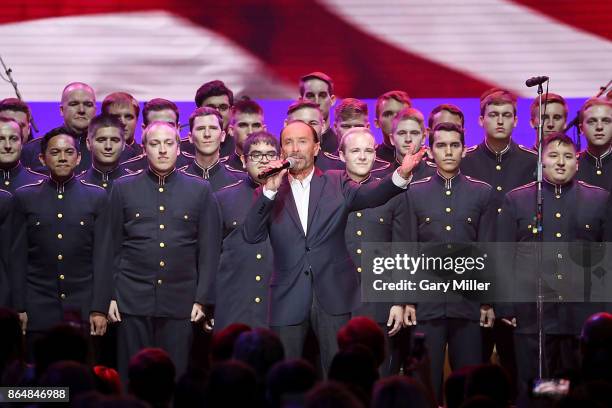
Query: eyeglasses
x,y
257,157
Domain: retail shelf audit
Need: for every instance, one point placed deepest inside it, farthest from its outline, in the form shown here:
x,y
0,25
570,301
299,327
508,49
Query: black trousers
x,y
137,332
325,327
464,345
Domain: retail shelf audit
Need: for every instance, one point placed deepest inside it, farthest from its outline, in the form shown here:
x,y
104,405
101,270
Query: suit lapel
x,y
316,188
285,194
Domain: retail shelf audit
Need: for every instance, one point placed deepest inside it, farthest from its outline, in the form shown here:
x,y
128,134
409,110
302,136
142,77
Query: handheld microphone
x,y
536,81
288,163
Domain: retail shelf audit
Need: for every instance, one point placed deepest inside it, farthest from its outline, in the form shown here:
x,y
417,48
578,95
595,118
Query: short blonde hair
x,y
157,123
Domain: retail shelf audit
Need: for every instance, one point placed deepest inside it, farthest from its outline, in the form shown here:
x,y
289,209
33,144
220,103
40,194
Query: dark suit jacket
x,y
318,261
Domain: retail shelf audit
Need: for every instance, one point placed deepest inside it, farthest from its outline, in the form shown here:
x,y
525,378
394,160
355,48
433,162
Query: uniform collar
x,y
498,156
558,189
105,176
206,172
161,180
12,172
364,181
597,160
448,182
63,185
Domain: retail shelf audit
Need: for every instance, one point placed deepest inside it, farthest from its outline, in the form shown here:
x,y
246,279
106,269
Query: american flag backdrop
x,y
443,50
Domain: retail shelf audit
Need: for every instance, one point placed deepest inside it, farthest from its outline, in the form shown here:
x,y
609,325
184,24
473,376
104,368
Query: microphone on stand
x,y
538,80
288,163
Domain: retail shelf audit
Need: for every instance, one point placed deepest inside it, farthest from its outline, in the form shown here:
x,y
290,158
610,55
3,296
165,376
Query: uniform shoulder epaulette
x,y
223,159
471,149
184,168
528,150
131,174
35,172
474,180
385,164
528,185
423,180
133,159
36,183
35,140
231,185
378,170
187,155
431,164
80,174
7,192
331,156
191,175
590,185
91,185
230,168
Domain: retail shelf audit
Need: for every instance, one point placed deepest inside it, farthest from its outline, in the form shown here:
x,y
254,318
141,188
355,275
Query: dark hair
x,y
301,104
448,127
245,105
61,130
491,381
103,121
289,380
399,96
11,345
231,384
205,111
350,108
331,394
291,122
365,331
497,96
17,105
259,348
158,104
449,107
61,343
222,344
260,137
356,368
151,376
213,88
560,137
400,391
321,77
122,99
547,99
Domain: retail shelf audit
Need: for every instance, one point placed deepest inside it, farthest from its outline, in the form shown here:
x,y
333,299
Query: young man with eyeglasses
x,y
245,269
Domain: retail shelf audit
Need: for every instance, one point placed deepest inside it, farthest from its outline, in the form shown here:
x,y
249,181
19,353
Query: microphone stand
x,y
540,239
574,122
8,72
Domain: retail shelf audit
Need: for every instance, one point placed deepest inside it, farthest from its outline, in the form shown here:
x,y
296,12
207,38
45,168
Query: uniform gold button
x,y
359,269
599,172
162,208
186,216
258,256
499,210
560,297
60,196
448,209
258,278
559,277
60,236
162,226
359,233
104,185
560,256
381,219
359,214
60,215
159,281
234,222
63,296
558,235
498,167
60,257
257,300
469,220
587,226
448,192
62,277
448,228
427,219
161,189
37,222
558,215
161,245
499,188
557,196
534,230
162,263
358,250
6,182
82,223
137,215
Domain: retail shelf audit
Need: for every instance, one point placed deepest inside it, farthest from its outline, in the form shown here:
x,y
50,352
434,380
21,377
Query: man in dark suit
x,y
105,141
596,125
244,269
304,215
206,134
12,173
165,232
448,208
572,211
59,263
